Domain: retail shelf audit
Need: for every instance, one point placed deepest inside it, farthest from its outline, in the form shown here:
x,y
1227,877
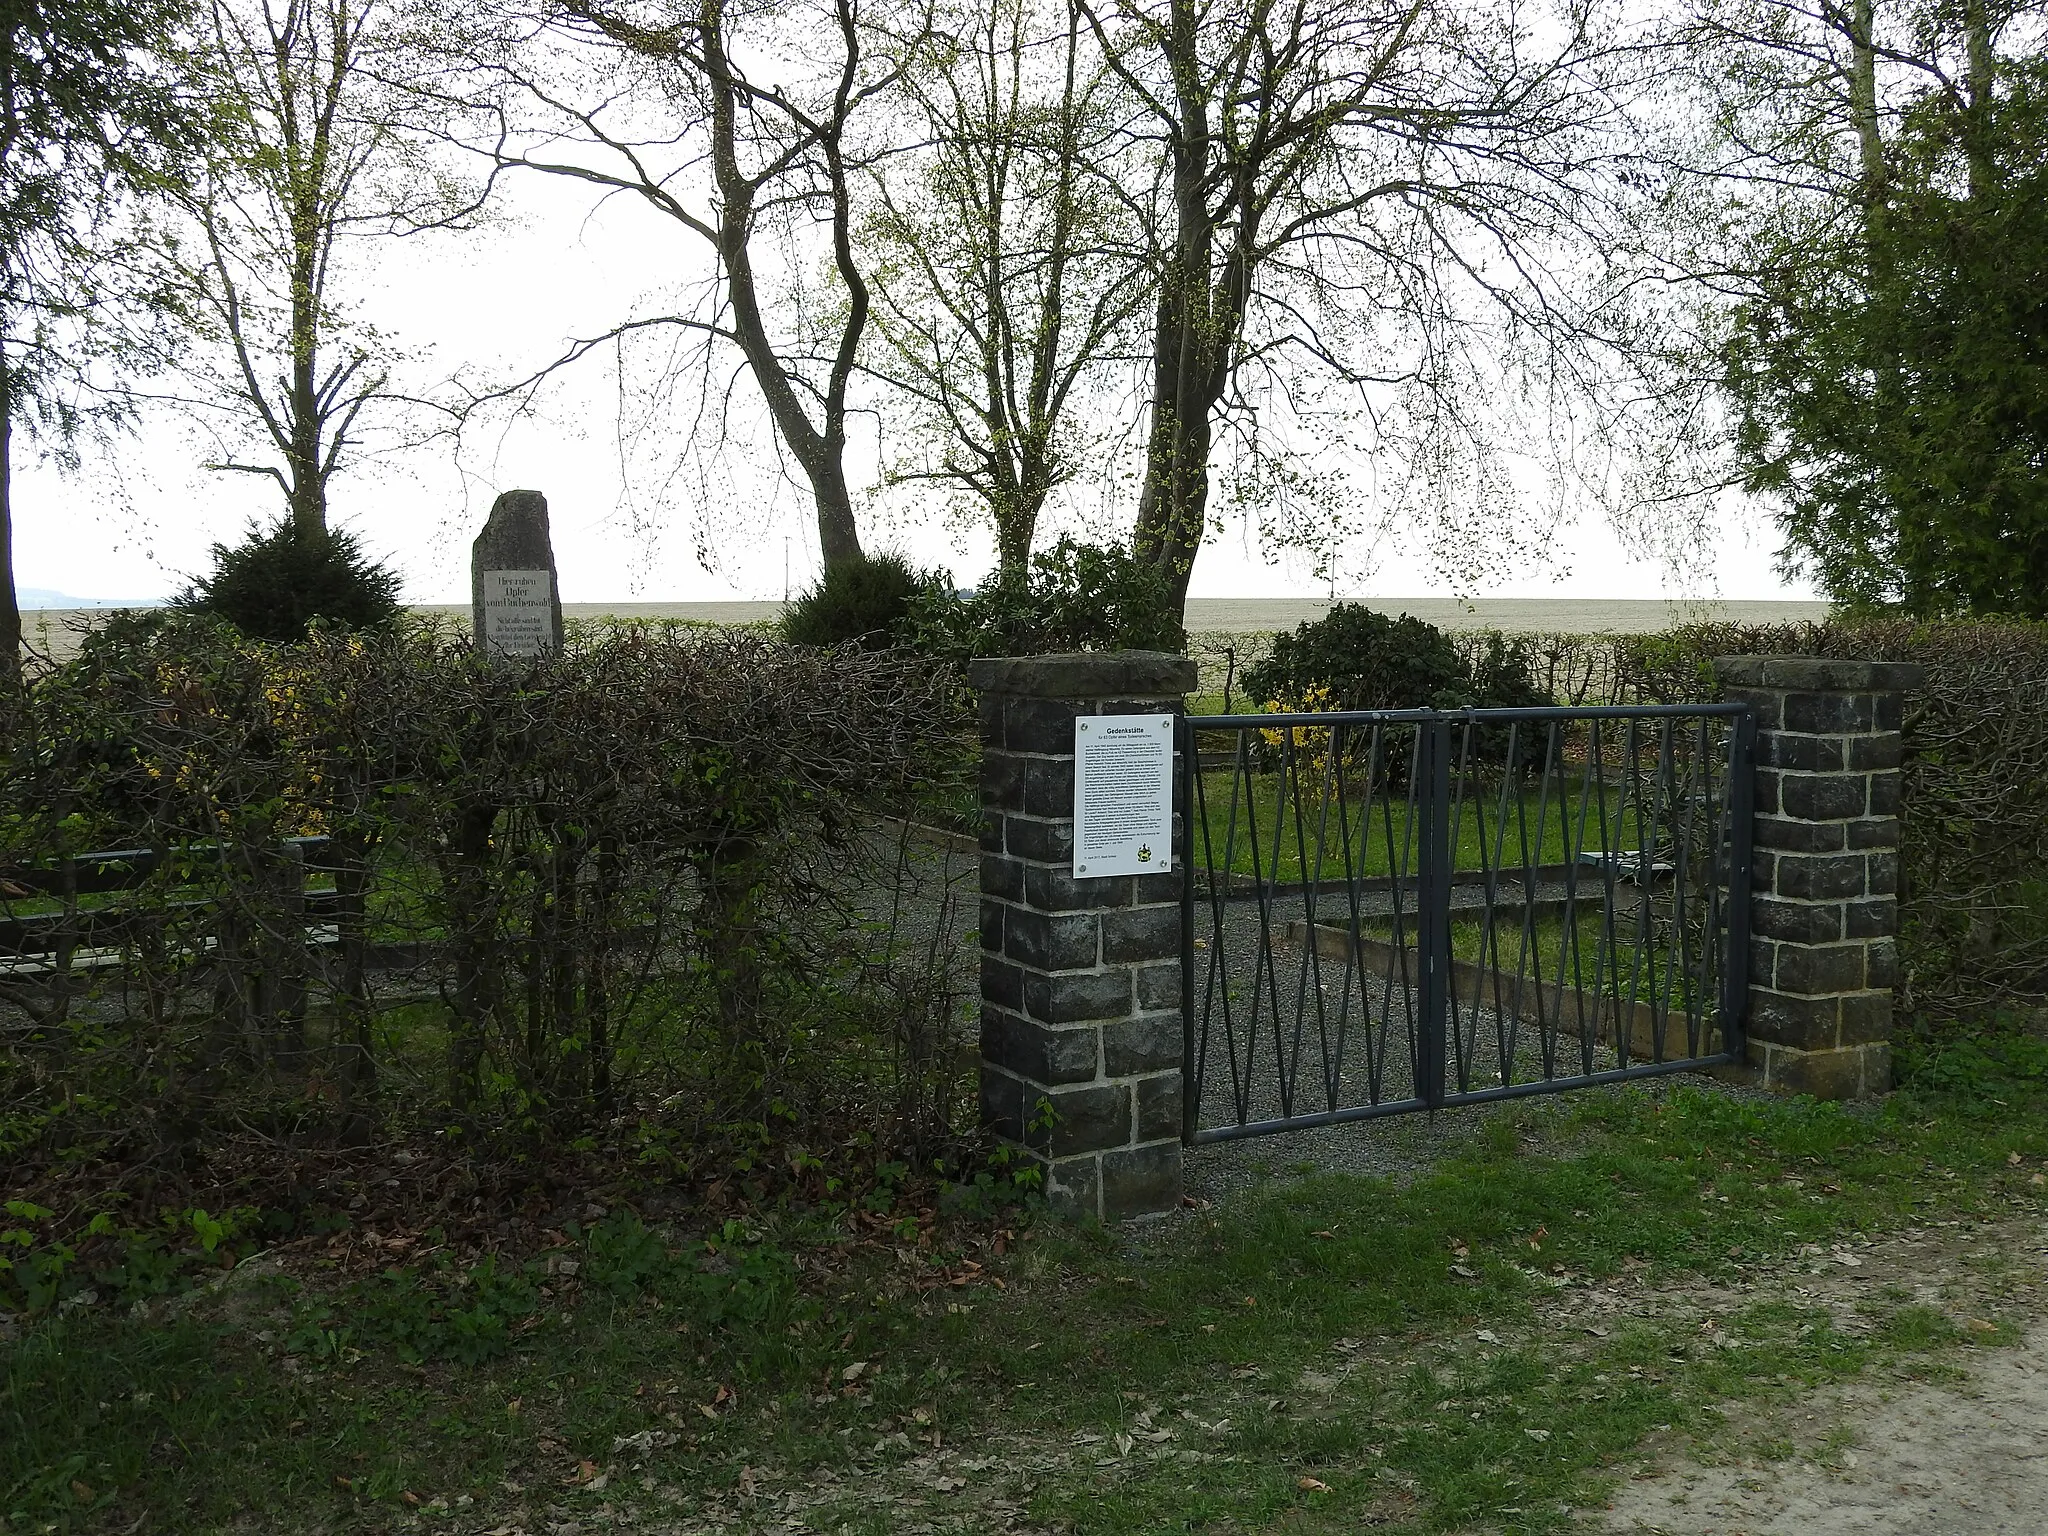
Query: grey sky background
x,y
140,517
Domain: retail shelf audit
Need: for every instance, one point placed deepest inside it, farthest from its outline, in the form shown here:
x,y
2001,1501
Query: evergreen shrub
x,y
1357,658
274,585
865,601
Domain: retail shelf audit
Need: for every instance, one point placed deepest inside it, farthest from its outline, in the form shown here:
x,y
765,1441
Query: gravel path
x,y
1966,1459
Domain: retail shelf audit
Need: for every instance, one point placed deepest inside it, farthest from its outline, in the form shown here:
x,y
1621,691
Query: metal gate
x,y
1387,911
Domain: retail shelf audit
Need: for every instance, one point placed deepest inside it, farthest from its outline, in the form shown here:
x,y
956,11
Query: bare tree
x,y
314,153
1007,265
741,126
1357,190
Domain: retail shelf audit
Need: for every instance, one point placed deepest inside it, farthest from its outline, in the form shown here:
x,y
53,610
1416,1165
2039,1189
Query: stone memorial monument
x,y
515,601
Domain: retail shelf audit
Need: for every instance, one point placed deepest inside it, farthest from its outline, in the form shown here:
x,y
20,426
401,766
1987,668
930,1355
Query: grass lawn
x,y
1319,1353
1279,826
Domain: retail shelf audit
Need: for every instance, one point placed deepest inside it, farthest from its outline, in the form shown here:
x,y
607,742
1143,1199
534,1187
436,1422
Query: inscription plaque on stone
x,y
1123,795
519,612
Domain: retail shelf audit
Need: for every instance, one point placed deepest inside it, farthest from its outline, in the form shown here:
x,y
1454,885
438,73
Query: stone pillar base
x,y
1840,1072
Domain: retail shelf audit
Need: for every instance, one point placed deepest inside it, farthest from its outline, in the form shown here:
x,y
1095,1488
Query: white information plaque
x,y
519,618
1123,795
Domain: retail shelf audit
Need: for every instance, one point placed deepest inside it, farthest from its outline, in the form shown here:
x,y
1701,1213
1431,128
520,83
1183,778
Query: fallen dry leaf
x,y
855,1371
1312,1485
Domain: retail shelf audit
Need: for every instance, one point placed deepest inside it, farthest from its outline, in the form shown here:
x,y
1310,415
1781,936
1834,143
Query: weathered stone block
x,y
1037,725
1073,1186
1048,786
1002,781
1830,714
1142,1181
1036,1053
1151,1043
1052,942
1139,934
1875,917
1822,877
1866,1017
1053,888
1846,1072
1159,1107
1085,1118
1086,675
1039,839
1806,754
1159,986
1806,1021
1798,922
1002,876
1822,796
1002,1103
1819,969
1783,834
1072,996
1873,753
1001,982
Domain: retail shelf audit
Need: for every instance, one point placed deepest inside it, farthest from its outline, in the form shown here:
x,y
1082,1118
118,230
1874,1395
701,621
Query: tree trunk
x,y
308,484
10,607
822,454
308,488
1197,326
1977,99
1863,106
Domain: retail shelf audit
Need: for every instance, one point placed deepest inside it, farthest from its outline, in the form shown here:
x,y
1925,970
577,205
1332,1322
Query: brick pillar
x,y
1824,910
1080,978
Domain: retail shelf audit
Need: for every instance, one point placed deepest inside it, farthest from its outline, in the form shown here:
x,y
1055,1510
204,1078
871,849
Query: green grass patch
x,y
297,1403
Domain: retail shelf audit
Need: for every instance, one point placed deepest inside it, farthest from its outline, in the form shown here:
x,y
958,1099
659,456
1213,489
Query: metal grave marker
x,y
1123,795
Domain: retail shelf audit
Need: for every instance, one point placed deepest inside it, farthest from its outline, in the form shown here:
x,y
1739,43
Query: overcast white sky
x,y
140,519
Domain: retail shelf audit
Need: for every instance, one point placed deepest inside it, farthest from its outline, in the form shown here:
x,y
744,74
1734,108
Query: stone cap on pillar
x,y
1819,674
1085,675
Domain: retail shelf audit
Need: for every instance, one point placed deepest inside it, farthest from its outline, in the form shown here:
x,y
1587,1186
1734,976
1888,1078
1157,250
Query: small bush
x,y
1357,658
272,586
1077,597
865,601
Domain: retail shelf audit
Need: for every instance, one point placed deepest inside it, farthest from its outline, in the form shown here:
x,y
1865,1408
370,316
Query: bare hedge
x,y
652,875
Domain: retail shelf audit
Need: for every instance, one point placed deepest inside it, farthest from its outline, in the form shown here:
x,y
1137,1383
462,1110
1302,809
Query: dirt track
x,y
1963,1458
